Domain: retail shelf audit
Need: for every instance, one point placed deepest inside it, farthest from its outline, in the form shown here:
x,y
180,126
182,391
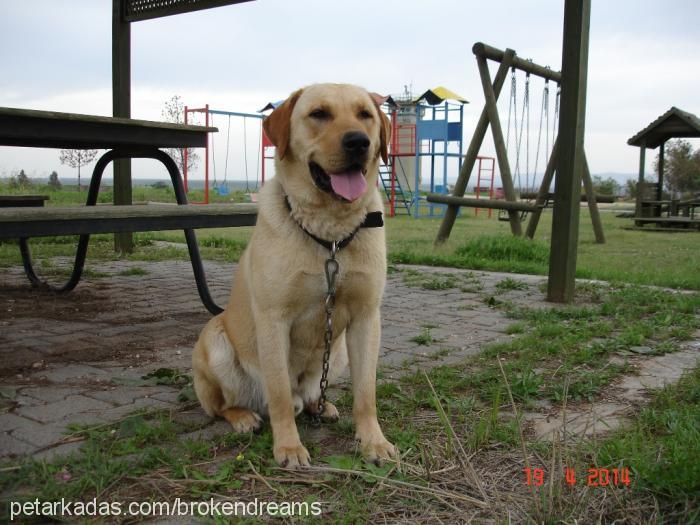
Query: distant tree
x,y
54,183
174,111
12,183
607,186
76,158
22,180
681,167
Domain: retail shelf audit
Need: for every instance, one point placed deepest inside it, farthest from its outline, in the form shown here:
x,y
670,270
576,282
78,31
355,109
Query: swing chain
x,y
512,106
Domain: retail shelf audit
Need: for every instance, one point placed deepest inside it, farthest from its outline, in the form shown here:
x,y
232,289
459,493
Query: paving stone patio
x,y
81,357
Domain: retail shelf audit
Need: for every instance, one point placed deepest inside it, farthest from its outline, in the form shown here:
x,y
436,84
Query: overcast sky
x,y
56,55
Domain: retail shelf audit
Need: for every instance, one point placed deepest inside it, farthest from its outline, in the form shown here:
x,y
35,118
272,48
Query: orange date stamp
x,y
594,477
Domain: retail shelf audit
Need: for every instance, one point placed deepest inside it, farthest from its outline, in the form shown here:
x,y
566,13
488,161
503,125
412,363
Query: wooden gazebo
x,y
651,207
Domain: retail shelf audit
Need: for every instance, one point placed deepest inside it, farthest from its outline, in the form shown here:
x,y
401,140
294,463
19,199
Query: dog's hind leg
x,y
208,393
222,386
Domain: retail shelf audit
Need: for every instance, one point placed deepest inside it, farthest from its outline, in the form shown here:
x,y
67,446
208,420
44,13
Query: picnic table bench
x,y
122,138
668,213
7,201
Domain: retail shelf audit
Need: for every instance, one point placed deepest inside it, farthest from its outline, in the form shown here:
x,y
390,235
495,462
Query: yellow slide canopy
x,y
439,94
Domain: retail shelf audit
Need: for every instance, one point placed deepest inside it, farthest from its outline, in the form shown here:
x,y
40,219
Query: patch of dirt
x,y
18,302
90,324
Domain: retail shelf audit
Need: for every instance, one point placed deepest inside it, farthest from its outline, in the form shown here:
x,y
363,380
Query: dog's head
x,y
332,135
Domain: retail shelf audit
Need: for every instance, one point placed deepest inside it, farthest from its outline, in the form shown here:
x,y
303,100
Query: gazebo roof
x,y
675,123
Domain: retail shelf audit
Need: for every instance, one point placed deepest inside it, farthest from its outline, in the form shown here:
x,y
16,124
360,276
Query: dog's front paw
x,y
291,456
377,450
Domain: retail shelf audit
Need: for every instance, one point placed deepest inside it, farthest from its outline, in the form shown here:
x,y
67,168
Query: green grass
x,y
662,259
70,196
429,419
569,350
662,447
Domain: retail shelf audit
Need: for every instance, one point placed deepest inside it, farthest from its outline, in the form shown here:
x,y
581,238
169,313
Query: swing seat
x,y
222,190
504,217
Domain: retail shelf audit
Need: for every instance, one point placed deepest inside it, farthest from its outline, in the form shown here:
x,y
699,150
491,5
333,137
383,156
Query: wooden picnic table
x,y
122,138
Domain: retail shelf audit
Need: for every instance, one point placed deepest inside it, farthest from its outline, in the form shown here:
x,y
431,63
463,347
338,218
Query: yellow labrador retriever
x,y
263,355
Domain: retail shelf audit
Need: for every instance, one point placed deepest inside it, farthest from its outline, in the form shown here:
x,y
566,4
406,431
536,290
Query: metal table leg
x,y
181,197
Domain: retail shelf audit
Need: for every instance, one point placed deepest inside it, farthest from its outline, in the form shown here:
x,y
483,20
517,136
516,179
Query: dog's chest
x,y
353,290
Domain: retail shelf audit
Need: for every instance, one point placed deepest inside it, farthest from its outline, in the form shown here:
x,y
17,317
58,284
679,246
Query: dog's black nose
x,y
355,143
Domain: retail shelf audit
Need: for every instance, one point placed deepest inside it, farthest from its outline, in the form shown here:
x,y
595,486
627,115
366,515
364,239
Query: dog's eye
x,y
364,114
320,114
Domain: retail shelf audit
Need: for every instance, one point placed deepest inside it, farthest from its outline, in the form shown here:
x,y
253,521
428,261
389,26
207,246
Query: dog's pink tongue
x,y
349,185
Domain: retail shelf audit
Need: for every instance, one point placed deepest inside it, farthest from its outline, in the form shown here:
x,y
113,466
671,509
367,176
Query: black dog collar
x,y
372,220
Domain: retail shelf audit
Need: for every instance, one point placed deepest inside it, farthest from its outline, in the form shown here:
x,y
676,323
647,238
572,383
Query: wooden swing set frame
x,y
508,59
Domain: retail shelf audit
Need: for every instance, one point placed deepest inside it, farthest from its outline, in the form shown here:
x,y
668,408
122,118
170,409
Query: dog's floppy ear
x,y
384,133
277,124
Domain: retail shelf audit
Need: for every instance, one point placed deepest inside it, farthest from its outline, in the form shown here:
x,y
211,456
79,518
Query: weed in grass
x,y
49,268
429,281
526,385
425,338
134,270
587,291
405,437
484,428
516,328
492,302
466,307
345,427
443,352
509,284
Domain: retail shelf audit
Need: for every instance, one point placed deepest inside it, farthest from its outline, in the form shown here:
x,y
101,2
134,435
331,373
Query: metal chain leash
x,y
331,267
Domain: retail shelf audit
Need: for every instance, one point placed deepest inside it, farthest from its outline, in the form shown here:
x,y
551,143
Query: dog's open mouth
x,y
348,185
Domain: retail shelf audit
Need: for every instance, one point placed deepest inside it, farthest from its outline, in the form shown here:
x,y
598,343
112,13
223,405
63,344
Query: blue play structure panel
x,y
454,131
431,129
